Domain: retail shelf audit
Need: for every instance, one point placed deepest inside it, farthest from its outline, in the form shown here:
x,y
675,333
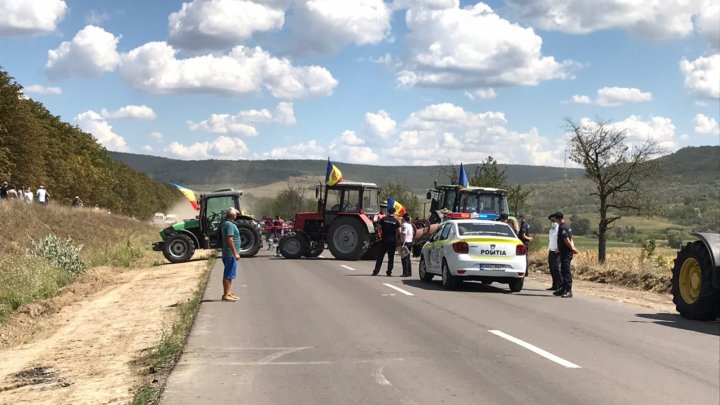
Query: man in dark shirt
x,y
526,239
566,247
3,190
389,225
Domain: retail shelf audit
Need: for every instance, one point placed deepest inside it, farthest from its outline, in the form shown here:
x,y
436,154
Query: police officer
x,y
390,226
566,248
525,237
553,255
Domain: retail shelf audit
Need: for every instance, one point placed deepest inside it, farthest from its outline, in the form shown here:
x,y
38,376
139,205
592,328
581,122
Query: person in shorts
x,y
230,253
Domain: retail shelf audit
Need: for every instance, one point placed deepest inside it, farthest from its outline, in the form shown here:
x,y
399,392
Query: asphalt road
x,y
323,331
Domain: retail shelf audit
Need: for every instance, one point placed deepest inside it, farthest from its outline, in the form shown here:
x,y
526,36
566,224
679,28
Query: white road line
x,y
535,349
347,267
380,378
321,256
398,289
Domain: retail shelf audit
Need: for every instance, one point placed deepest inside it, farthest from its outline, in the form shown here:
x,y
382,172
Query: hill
x,y
246,174
38,148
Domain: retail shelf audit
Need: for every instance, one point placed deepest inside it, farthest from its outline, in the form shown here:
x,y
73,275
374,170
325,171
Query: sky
x,y
377,82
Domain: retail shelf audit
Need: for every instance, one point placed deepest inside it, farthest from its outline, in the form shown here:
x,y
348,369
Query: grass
x,y
107,240
164,356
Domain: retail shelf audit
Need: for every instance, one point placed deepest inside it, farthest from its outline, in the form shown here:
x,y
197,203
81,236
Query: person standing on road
x,y
553,254
407,238
230,253
525,237
389,226
566,247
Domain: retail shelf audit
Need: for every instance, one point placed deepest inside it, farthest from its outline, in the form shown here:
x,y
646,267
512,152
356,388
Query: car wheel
x,y
422,270
449,281
516,284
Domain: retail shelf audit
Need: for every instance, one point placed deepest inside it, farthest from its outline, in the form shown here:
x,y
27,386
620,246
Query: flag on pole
x,y
463,180
399,209
333,175
189,194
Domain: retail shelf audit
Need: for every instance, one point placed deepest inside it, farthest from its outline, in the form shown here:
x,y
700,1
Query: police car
x,y
473,249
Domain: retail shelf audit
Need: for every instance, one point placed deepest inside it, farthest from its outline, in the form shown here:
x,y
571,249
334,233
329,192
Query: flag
x,y
399,209
189,194
333,175
463,180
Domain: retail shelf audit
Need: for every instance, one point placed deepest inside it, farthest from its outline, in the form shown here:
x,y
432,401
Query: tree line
x,y
37,147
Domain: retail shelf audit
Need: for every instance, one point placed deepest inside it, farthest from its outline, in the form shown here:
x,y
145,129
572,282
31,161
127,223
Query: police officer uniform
x,y
389,226
566,256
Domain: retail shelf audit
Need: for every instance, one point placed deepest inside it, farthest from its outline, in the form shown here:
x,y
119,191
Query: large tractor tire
x,y
293,246
692,289
315,249
178,248
250,238
347,238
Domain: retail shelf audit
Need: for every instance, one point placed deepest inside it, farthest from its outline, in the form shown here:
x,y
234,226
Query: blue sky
x,y
368,81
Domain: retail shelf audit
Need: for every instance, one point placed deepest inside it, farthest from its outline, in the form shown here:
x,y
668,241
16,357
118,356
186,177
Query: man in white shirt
x,y
42,195
553,254
407,238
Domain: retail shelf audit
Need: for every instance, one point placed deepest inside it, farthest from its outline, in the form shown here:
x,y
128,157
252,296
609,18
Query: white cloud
x,y
350,148
473,47
650,19
95,17
706,125
615,96
328,25
221,24
140,112
154,67
95,124
223,147
578,99
307,150
701,75
708,23
659,129
481,94
38,89
147,148
244,122
380,124
157,136
90,53
30,17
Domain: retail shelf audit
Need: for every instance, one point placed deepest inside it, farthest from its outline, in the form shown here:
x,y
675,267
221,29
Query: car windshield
x,y
486,203
499,229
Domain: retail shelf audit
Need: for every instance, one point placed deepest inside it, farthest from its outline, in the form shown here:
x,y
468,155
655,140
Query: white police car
x,y
473,249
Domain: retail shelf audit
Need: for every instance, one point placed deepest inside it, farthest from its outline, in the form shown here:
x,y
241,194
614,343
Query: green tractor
x,y
180,240
696,278
477,202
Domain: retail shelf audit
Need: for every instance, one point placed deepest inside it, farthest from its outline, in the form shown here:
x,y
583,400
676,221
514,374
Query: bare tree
x,y
616,168
449,171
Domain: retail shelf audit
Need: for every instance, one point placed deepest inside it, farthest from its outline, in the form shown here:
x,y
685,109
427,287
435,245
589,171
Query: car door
x,y
437,250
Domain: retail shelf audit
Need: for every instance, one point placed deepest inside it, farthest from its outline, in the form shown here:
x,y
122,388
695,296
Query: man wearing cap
x,y
389,227
553,255
566,247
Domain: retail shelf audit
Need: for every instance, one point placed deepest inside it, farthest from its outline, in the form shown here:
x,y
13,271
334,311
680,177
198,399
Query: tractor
x,y
345,221
180,240
696,278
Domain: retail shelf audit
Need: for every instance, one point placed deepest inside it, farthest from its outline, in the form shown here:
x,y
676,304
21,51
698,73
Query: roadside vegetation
x,y
47,247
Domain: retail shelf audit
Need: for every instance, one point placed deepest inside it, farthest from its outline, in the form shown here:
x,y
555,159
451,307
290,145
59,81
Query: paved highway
x,y
323,331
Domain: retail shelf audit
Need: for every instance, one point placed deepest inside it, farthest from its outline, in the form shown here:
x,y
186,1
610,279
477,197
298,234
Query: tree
x,y
488,174
404,196
616,168
450,172
517,199
291,201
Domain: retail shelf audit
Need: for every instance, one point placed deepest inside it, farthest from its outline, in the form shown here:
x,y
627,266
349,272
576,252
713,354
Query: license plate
x,y
490,267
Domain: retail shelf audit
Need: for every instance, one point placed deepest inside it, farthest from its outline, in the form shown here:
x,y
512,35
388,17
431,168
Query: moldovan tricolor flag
x,y
399,209
333,175
189,194
463,180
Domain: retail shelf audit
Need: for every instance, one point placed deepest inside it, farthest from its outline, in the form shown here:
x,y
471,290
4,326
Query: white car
x,y
473,249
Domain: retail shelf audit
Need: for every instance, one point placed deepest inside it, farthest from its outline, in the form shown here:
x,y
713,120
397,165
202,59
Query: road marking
x,y
535,349
398,289
347,267
269,359
321,256
380,378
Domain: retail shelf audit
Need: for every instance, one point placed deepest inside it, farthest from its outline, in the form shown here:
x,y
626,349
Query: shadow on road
x,y
467,286
676,321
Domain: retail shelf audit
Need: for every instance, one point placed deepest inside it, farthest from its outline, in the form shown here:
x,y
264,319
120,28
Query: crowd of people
x,y
24,194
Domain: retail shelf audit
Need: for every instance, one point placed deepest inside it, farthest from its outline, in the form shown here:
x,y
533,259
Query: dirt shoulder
x,y
82,346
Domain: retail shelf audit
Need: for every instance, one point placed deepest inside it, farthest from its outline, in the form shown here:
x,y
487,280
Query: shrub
x,y
62,254
674,238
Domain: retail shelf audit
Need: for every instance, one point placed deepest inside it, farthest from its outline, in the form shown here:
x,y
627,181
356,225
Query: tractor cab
x,y
483,202
213,207
348,197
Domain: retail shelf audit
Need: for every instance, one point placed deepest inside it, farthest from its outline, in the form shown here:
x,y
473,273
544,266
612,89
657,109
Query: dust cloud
x,y
182,209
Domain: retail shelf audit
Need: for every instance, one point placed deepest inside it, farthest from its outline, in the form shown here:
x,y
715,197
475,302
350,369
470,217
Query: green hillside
x,y
38,148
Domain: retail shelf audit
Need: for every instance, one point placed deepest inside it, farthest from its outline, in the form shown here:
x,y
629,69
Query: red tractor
x,y
345,220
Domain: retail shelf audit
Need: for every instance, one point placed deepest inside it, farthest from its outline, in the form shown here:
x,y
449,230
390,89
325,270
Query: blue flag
x,y
463,180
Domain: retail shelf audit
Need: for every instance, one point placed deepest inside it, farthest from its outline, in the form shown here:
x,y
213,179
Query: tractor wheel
x,y
293,246
372,252
250,238
693,293
315,249
348,238
178,248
